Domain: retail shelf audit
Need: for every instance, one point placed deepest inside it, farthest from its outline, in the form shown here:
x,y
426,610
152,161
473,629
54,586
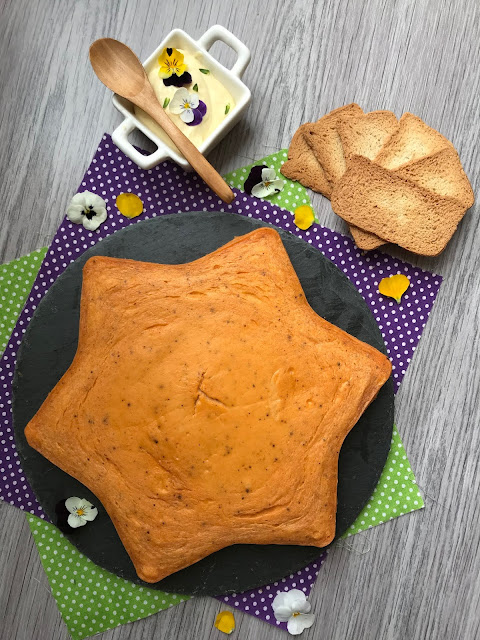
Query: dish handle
x,y
120,138
217,32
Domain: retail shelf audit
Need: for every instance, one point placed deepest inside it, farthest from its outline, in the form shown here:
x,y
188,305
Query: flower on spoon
x,y
81,512
263,182
293,608
173,69
88,209
188,106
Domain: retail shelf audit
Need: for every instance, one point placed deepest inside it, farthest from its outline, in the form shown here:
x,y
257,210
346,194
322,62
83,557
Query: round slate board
x,y
49,346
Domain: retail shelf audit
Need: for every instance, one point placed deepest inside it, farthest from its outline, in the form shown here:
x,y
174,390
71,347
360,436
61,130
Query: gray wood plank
x,y
420,578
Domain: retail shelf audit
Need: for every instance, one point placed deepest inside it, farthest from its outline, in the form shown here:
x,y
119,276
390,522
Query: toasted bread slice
x,y
364,239
325,141
302,165
412,141
366,133
395,208
442,173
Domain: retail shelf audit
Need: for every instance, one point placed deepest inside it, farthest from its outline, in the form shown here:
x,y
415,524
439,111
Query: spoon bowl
x,y
117,67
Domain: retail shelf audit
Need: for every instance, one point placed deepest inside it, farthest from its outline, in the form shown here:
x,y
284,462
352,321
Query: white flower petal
x,y
92,224
79,198
278,185
75,213
268,175
261,191
193,100
176,103
73,504
282,613
297,624
94,200
301,605
187,115
76,521
90,514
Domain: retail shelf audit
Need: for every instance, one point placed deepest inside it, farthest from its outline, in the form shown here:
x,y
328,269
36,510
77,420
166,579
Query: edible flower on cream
x,y
81,512
293,608
173,69
188,106
88,209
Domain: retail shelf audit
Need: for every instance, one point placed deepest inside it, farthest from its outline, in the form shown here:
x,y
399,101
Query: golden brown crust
x,y
207,404
303,166
395,208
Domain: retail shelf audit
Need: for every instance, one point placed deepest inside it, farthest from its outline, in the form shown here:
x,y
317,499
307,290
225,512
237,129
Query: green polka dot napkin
x,y
292,196
395,494
16,281
92,600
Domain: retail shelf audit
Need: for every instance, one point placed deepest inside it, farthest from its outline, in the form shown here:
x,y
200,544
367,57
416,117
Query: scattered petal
x,y
225,622
394,286
304,217
129,205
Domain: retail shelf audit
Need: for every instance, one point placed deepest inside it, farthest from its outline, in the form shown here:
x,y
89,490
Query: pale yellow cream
x,y
210,91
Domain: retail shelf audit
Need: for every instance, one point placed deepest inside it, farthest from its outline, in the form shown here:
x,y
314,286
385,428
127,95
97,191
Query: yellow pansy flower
x,y
171,62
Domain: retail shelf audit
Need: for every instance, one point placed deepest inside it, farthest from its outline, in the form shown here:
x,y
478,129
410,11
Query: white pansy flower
x,y
293,608
183,103
269,185
81,512
88,209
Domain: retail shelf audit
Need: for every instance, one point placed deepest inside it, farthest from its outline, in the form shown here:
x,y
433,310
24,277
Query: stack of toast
x,y
392,180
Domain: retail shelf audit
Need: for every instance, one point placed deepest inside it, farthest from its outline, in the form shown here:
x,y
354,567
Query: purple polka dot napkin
x,y
167,189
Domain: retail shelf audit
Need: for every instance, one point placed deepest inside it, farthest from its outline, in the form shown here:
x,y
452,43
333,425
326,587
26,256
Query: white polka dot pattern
x,y
166,189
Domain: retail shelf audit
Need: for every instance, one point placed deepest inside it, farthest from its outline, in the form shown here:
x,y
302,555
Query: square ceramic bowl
x,y
230,78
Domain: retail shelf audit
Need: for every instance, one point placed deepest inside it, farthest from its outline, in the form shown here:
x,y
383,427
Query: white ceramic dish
x,y
230,78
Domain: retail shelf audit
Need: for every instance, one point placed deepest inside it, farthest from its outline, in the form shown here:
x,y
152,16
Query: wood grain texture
x,y
419,579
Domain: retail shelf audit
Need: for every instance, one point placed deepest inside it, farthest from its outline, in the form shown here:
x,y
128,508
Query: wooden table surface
x,y
420,576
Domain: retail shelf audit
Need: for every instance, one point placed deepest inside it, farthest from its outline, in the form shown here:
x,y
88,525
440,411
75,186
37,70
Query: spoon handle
x,y
150,104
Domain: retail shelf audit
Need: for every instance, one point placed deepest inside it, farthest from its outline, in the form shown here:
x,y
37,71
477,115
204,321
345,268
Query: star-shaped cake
x,y
207,403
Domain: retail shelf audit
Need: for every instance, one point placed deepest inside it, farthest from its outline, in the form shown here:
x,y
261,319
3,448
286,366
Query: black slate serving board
x,y
49,346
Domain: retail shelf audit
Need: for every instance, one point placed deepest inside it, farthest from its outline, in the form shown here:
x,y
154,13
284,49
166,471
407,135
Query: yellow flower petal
x,y
170,64
225,622
304,217
129,205
394,286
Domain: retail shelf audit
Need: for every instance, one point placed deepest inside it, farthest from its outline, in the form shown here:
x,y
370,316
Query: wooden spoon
x,y
121,71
